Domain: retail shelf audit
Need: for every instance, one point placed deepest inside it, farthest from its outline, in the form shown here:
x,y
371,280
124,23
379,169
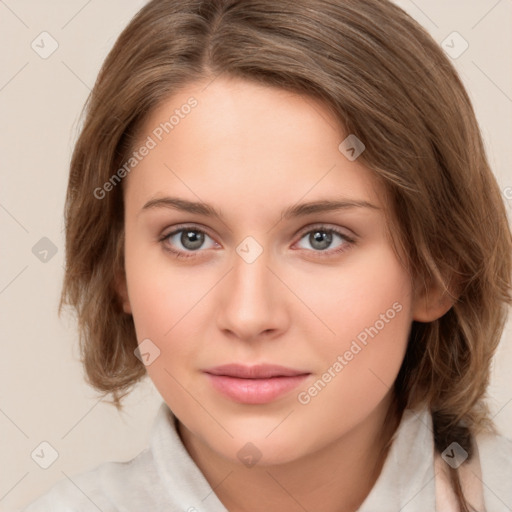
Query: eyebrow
x,y
297,210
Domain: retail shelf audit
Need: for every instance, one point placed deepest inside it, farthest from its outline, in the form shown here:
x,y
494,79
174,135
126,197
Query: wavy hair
x,y
388,82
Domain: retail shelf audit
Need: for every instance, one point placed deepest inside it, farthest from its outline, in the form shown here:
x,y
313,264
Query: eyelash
x,y
322,254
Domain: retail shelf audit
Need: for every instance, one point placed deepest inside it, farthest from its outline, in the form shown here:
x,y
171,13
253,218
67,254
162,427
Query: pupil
x,y
321,239
192,239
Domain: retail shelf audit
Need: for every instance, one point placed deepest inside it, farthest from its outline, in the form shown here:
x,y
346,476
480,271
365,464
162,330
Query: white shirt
x,y
163,477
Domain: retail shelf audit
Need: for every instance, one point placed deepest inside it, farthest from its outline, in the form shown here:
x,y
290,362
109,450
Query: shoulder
x,y
495,453
108,488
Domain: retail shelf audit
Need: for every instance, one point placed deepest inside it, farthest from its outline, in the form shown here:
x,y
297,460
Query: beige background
x,y
43,396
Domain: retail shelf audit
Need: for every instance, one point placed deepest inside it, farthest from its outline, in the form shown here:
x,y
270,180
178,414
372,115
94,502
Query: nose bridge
x,y
251,302
251,276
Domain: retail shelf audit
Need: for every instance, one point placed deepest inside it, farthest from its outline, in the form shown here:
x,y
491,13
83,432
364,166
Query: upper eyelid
x,y
183,227
322,226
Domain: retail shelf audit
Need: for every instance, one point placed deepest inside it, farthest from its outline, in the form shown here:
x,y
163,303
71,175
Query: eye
x,y
322,238
187,240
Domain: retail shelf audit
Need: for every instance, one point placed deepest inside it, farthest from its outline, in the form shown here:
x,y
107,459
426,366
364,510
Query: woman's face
x,y
253,241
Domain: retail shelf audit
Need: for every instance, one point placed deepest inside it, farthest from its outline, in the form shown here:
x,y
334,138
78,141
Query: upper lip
x,y
259,371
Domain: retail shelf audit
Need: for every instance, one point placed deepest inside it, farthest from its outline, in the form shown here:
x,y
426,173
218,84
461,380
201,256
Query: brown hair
x,y
389,83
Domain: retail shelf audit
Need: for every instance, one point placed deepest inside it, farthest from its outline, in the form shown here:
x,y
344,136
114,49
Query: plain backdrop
x,y
43,395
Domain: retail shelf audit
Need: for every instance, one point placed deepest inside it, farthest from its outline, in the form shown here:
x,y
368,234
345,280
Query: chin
x,y
267,441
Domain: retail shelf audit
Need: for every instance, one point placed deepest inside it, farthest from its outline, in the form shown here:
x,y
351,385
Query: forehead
x,y
237,142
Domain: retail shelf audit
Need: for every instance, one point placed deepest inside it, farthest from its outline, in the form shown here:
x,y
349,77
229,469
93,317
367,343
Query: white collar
x,y
406,482
180,476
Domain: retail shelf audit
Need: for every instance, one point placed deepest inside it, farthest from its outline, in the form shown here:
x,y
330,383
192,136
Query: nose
x,y
252,303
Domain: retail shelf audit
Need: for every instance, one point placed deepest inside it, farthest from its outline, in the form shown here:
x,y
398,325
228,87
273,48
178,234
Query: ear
x,y
122,292
430,302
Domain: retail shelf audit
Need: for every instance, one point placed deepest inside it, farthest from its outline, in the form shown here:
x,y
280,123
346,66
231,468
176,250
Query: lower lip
x,y
254,391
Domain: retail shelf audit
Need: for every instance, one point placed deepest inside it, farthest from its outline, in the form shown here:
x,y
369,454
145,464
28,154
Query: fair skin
x,y
251,152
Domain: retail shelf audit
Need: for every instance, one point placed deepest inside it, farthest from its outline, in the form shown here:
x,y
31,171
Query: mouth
x,y
258,384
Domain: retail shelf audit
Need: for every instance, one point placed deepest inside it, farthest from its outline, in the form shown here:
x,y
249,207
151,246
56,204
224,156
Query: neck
x,y
336,478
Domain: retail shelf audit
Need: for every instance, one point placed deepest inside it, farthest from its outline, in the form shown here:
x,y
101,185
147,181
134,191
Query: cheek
x,y
367,297
166,304
165,316
165,312
368,306
160,291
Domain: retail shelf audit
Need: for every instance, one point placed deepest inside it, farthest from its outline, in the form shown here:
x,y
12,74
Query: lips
x,y
261,371
257,384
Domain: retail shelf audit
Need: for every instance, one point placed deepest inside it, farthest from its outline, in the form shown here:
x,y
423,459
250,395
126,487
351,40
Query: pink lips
x,y
257,384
